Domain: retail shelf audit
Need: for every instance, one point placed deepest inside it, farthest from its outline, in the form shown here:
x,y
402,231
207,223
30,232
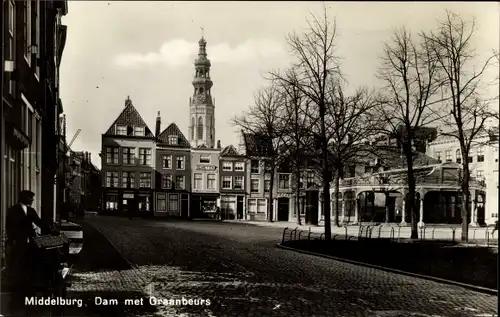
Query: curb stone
x,y
481,289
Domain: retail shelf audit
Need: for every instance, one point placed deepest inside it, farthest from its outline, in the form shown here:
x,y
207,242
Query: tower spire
x,y
202,29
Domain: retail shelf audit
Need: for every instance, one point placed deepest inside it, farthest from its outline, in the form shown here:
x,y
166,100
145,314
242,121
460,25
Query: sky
x,y
146,50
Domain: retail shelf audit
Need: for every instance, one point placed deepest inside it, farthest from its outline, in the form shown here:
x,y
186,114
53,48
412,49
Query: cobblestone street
x,y
240,270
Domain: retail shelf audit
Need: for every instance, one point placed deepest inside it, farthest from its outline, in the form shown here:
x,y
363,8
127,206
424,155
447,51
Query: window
x,y
239,166
310,179
459,156
448,155
193,127
284,181
145,180
173,202
238,182
254,167
128,179
227,166
252,205
161,202
200,128
145,156
111,179
198,179
471,159
121,130
204,158
9,54
438,156
167,161
139,131
179,182
267,186
128,155
479,174
180,162
261,205
211,181
480,154
11,18
301,182
27,30
37,143
173,139
37,35
112,155
226,182
254,185
166,181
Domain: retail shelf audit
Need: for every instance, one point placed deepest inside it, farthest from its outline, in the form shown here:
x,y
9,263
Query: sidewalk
x,y
438,232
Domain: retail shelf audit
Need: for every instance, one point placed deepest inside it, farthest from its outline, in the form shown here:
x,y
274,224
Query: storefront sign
x,y
17,138
206,167
128,196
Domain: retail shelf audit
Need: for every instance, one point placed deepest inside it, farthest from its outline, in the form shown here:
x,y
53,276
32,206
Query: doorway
x,y
283,209
239,207
184,205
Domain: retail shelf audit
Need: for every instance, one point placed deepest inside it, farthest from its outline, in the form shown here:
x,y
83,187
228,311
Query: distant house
x,y
128,164
173,169
205,181
233,188
256,149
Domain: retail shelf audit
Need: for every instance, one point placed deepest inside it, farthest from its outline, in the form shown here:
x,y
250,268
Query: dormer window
x,y
139,131
121,130
173,140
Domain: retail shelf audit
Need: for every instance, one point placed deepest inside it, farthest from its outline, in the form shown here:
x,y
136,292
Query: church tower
x,y
201,104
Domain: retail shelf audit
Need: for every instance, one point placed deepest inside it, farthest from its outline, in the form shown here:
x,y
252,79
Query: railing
x,y
480,236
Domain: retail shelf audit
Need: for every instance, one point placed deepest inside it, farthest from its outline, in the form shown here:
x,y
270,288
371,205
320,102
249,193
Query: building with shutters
x,y
128,164
33,41
233,189
173,172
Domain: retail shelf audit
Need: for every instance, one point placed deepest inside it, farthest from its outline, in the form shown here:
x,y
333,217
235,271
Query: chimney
x,y
158,125
241,145
218,144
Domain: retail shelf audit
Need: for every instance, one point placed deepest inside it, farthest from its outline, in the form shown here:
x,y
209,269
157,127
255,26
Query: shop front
x,y
128,202
232,206
203,205
172,204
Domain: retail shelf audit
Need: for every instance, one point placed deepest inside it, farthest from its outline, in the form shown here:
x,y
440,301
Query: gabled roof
x,y
173,129
257,144
129,117
229,151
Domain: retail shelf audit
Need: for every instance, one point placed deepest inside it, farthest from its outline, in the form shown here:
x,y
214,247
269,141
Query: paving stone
x,y
241,271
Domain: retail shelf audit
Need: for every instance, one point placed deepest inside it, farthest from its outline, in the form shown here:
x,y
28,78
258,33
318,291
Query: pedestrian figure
x,y
217,213
21,223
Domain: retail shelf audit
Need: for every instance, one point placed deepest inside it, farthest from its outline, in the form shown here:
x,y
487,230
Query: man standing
x,y
21,223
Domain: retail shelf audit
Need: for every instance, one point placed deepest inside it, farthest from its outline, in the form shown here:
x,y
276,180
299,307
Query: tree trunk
x,y
297,198
271,188
412,203
326,174
465,201
337,191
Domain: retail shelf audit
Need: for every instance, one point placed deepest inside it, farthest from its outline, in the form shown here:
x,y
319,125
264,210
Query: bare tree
x,y
350,121
296,125
410,97
265,119
452,48
316,63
